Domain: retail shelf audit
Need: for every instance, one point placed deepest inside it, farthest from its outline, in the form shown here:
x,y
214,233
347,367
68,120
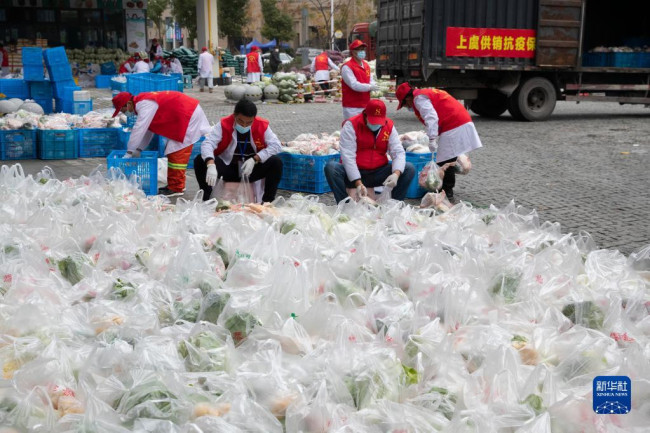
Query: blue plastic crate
x,y
124,138
95,143
34,73
103,81
40,90
622,60
64,89
642,60
19,144
63,105
145,168
46,104
57,144
139,83
196,150
160,143
32,56
14,88
82,107
305,173
53,56
419,160
117,86
60,71
595,59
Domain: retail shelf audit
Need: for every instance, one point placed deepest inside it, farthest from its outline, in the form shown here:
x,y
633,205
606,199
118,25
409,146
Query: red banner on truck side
x,y
478,42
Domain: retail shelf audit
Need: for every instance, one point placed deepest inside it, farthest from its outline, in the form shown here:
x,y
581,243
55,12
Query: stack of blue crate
x,y
63,84
40,89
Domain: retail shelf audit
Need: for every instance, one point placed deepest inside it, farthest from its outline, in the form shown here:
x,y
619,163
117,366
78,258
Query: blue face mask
x,y
373,127
410,109
361,55
242,129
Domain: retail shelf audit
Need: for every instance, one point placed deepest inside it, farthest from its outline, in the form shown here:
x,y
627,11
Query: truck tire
x,y
490,103
533,100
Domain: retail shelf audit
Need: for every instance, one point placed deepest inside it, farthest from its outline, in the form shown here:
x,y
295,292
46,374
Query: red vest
x,y
258,128
451,113
123,69
174,113
371,151
253,62
322,62
5,58
352,98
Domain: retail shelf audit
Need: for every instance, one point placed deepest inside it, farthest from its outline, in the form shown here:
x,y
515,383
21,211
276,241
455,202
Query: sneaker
x,y
168,192
210,90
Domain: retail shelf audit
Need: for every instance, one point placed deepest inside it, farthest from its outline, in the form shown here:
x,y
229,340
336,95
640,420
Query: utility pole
x,y
332,25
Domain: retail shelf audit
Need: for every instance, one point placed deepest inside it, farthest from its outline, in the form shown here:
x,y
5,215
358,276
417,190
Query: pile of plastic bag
x,y
312,144
415,141
60,121
125,313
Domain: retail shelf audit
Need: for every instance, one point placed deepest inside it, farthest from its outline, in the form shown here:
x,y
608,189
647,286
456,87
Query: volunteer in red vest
x,y
172,115
127,66
448,124
320,67
253,66
357,81
240,145
4,61
365,140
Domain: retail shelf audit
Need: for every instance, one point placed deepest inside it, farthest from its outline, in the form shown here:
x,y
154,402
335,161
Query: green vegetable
x,y
212,306
142,256
446,401
223,205
535,402
505,285
203,352
287,227
412,376
70,270
240,325
122,289
487,219
586,314
148,400
520,338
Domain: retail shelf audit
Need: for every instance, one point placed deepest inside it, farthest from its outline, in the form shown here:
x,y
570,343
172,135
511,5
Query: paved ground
x,y
588,167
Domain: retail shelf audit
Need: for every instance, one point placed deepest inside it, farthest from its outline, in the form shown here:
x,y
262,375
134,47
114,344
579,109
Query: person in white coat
x,y
176,66
320,67
141,67
447,123
206,60
241,145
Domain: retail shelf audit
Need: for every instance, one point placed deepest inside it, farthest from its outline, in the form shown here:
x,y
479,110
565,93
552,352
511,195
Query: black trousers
x,y
271,171
449,181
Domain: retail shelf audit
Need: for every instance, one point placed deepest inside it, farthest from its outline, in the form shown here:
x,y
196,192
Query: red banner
x,y
473,42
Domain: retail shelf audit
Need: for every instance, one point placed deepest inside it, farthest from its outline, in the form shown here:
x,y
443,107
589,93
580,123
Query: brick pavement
x,y
587,167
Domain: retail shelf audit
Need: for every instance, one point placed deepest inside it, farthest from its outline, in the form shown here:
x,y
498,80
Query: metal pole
x,y
331,24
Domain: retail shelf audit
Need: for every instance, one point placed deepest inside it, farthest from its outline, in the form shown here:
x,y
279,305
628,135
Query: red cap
x,y
375,112
120,100
357,43
255,48
401,93
154,40
204,49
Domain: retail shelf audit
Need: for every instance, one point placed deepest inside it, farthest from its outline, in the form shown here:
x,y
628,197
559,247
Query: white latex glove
x,y
247,167
362,191
211,175
391,181
374,87
127,156
134,153
433,145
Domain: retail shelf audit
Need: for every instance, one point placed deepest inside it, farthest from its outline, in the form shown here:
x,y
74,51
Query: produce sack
x,y
463,164
431,176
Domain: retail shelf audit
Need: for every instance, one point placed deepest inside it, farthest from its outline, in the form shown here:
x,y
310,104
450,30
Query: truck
x,y
366,32
519,55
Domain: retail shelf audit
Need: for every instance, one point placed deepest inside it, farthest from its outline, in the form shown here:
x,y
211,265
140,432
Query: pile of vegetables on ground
x,y
125,313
